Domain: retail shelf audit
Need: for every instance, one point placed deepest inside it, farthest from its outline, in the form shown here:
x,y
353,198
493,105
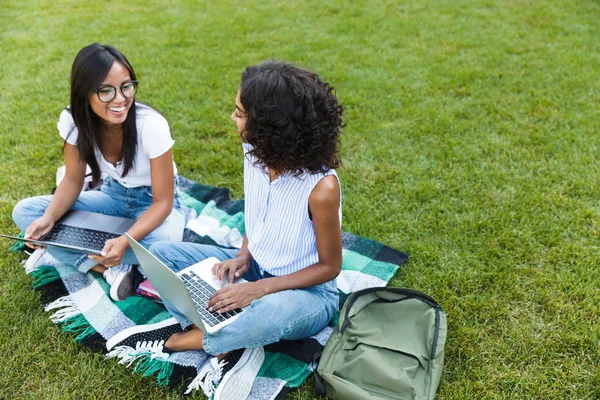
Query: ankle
x,y
189,340
99,268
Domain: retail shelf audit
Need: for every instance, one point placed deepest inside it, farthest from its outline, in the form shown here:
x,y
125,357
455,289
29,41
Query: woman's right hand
x,y
233,268
37,229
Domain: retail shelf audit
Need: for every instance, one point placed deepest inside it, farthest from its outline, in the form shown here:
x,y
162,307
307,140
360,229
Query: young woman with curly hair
x,y
289,123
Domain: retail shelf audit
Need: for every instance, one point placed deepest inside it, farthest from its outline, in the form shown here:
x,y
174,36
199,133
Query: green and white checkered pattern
x,y
80,303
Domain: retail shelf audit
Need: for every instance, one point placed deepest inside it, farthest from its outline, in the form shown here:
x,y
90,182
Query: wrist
x,y
48,219
243,256
123,241
264,287
271,285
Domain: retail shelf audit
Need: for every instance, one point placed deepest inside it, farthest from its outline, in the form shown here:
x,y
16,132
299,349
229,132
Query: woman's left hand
x,y
112,253
236,295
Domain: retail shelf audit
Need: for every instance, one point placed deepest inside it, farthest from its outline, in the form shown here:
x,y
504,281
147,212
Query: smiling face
x,y
115,111
240,117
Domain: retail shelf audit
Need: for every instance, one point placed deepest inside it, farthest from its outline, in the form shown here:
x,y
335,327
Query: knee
x,y
170,230
20,209
293,317
160,248
271,317
25,211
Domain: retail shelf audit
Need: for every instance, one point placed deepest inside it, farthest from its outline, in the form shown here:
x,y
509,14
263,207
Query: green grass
x,y
471,143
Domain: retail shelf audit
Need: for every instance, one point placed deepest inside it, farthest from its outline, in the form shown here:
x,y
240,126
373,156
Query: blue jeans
x,y
289,314
112,199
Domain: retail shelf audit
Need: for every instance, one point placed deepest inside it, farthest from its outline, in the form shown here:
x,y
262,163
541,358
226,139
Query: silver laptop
x,y
82,231
188,290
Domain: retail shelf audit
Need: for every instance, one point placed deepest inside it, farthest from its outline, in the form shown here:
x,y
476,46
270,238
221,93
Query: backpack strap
x,y
319,386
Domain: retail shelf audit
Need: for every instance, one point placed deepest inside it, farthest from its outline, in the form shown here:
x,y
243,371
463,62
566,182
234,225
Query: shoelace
x,y
230,359
210,380
219,371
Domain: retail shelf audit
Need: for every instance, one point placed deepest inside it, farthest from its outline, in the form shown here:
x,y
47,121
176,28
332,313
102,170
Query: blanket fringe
x,y
148,359
71,319
128,355
86,333
196,384
43,275
149,367
67,309
204,380
80,325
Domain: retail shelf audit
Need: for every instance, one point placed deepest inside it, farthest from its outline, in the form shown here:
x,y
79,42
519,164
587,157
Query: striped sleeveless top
x,y
281,236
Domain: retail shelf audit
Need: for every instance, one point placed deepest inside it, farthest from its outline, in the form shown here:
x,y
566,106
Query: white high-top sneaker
x,y
120,279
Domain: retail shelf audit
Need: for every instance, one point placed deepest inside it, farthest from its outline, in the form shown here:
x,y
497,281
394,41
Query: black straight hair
x,y
90,67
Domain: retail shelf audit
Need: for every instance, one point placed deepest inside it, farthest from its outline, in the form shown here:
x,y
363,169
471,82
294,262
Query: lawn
x,y
471,143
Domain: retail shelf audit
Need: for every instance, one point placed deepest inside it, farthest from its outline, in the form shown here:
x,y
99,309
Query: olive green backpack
x,y
388,344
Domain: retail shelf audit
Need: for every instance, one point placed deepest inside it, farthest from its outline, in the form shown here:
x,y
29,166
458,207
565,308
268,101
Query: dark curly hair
x,y
294,118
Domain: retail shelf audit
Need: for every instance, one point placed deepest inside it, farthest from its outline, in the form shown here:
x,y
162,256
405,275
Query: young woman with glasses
x,y
128,147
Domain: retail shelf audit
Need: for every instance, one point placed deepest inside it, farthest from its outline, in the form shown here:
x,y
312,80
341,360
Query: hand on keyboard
x,y
112,253
228,270
36,230
236,295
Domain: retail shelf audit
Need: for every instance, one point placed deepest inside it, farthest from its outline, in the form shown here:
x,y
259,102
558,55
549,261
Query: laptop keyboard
x,y
200,291
79,237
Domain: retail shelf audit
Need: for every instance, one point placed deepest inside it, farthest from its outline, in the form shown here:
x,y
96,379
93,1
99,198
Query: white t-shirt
x,y
153,140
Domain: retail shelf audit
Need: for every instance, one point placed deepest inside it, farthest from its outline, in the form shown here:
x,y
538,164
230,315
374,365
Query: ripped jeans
x,y
289,314
112,199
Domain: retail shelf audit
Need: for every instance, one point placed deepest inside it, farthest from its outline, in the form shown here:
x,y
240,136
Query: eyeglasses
x,y
106,94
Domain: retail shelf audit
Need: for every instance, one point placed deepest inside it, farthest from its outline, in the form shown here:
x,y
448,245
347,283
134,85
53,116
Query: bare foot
x,y
189,340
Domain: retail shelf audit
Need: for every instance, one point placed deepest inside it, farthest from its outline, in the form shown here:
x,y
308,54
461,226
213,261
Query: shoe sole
x,y
122,288
242,379
35,260
124,334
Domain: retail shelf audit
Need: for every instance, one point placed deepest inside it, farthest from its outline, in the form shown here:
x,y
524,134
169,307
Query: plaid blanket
x,y
80,303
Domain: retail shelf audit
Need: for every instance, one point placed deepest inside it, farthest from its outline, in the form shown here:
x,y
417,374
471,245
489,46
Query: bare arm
x,y
323,204
162,181
235,267
70,187
65,195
